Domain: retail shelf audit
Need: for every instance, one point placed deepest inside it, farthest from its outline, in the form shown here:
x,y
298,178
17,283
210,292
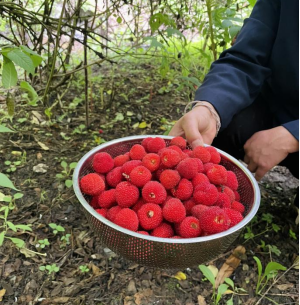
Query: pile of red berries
x,y
169,192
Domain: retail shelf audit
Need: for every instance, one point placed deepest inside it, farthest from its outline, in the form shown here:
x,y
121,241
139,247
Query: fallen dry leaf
x,y
180,276
2,293
214,270
230,264
284,287
201,300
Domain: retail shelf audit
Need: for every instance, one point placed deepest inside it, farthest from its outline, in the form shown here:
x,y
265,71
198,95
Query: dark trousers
x,y
250,120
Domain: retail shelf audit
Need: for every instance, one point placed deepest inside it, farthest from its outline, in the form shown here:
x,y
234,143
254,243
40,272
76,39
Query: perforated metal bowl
x,y
164,252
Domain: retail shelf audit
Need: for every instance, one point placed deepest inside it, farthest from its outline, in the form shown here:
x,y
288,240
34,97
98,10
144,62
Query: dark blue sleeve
x,y
293,128
236,78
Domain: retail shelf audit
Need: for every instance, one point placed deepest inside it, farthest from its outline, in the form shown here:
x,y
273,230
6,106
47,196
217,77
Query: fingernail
x,y
196,143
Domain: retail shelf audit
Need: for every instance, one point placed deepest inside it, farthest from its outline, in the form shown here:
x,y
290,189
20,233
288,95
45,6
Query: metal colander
x,y
164,252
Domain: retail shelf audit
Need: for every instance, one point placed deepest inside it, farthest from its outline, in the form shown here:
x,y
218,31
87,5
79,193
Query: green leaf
x,y
273,266
259,266
33,96
9,73
230,282
64,164
24,227
2,234
226,23
5,129
68,183
221,290
229,302
119,20
73,165
155,43
36,58
252,2
59,176
208,274
6,182
233,30
18,242
18,195
21,59
42,268
11,226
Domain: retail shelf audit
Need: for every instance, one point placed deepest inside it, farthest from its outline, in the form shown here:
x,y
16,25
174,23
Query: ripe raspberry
x,y
102,212
188,152
207,166
127,219
154,192
214,220
129,166
189,204
120,160
107,199
143,232
164,230
237,196
235,205
145,142
200,165
201,153
159,171
215,156
223,201
155,144
176,148
140,175
103,163
94,202
188,168
234,216
92,184
138,205
112,213
137,152
150,216
206,194
174,210
189,227
169,178
232,181
114,177
229,192
199,178
179,141
217,175
127,194
183,190
170,158
151,161
198,209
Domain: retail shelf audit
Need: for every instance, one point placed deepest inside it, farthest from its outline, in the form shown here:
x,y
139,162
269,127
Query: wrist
x,y
291,143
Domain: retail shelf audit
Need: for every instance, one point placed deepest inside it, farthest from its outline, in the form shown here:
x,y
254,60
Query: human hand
x,y
267,148
198,126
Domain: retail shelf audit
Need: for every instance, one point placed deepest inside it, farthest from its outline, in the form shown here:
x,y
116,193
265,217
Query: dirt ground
x,y
133,105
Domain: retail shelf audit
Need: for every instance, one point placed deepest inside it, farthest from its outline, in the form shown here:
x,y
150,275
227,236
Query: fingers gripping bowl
x,y
164,252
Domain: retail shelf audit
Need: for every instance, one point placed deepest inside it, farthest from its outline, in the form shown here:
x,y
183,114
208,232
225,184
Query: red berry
x,y
223,201
137,152
229,192
201,153
170,158
215,156
199,178
198,209
207,166
183,190
138,205
206,194
235,205
214,220
103,163
188,168
232,181
127,194
189,227
217,175
145,142
169,178
94,202
140,175
92,184
237,196
114,177
127,219
120,160
129,166
179,141
174,210
107,199
189,204
150,216
112,213
101,212
234,216
164,230
151,161
143,232
155,144
154,192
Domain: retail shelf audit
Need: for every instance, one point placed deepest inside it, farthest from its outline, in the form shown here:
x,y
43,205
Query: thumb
x,y
192,134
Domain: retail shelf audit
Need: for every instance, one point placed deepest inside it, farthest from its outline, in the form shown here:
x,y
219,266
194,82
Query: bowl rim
x,y
200,239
